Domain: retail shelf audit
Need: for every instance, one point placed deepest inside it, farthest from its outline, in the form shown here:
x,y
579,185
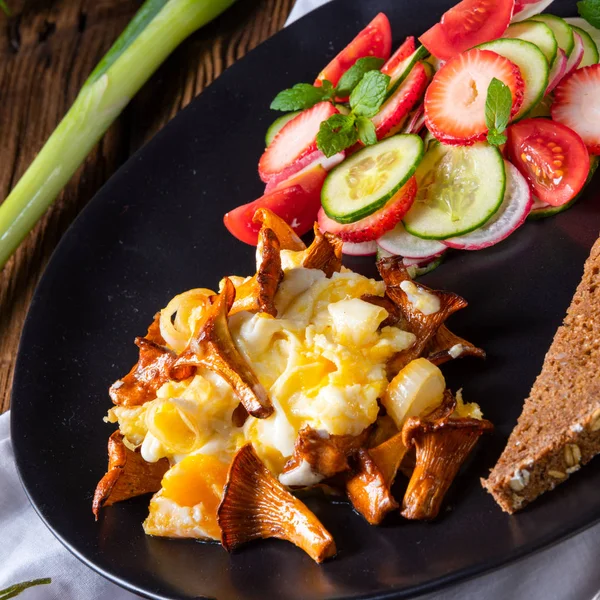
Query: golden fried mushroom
x,y
320,457
442,444
128,475
423,310
325,253
445,346
155,367
288,240
256,506
212,347
368,490
257,294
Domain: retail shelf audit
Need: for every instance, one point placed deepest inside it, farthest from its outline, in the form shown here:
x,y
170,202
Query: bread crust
x,y
559,428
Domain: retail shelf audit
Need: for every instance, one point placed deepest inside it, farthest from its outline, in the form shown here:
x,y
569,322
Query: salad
x,y
490,118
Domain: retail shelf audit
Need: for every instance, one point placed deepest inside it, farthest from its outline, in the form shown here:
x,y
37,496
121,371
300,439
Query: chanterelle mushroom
x,y
212,347
257,294
288,240
442,442
256,506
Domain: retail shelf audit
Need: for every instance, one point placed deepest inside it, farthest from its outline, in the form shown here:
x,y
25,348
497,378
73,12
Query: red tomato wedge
x,y
405,50
374,40
468,24
297,203
552,157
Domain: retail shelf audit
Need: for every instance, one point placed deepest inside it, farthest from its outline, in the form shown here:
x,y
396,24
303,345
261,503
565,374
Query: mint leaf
x,y
336,134
498,105
369,94
4,7
590,11
354,74
366,131
302,96
496,139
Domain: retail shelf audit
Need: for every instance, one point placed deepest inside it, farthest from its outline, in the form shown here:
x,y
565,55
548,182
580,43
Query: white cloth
x,y
568,571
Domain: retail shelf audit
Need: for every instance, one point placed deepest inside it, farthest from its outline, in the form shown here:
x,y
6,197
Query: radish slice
x,y
421,262
576,54
416,121
528,8
558,70
512,213
309,161
362,249
401,243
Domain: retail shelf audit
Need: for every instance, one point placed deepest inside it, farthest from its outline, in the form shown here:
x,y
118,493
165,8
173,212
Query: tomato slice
x,y
297,203
374,40
552,157
468,24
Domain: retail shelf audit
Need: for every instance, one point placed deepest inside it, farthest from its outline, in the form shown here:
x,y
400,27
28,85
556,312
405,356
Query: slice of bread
x,y
559,428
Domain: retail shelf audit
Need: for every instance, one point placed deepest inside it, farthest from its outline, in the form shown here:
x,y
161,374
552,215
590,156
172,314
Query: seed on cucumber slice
x,y
532,64
459,189
364,182
537,33
277,125
590,50
561,29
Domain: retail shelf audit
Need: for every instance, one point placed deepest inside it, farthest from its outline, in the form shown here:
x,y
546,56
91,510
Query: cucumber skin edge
x,y
464,232
374,206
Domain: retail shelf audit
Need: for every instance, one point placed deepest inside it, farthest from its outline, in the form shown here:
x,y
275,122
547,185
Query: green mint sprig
x,y
590,11
342,131
304,95
498,105
17,588
4,7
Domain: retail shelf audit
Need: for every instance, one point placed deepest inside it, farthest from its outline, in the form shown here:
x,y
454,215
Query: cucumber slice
x,y
277,125
537,33
460,188
402,71
364,182
533,65
417,270
561,29
542,108
589,29
590,50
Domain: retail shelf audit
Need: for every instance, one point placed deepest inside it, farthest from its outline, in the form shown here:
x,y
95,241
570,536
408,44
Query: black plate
x,y
156,230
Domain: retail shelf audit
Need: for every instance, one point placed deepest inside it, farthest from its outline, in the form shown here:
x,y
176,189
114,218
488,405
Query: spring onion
x,y
155,31
15,590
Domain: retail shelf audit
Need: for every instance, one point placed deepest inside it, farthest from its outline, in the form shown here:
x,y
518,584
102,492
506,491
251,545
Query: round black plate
x,y
156,230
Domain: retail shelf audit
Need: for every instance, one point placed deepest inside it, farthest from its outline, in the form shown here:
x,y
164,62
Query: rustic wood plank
x,y
47,49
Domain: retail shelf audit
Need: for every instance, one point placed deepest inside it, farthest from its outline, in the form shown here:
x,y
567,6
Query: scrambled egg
x,y
322,361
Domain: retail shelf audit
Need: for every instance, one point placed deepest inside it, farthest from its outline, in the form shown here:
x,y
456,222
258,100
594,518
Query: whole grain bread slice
x,y
559,428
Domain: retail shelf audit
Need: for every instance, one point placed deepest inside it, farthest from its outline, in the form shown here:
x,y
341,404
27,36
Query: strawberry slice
x,y
296,140
455,100
398,58
376,224
284,179
576,105
391,115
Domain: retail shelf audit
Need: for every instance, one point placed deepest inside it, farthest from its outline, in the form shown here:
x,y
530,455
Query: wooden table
x,y
47,50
